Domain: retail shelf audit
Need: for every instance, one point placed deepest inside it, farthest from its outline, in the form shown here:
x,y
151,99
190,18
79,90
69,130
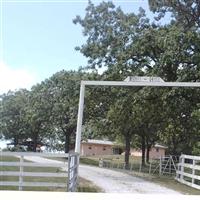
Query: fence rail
x,y
188,171
57,155
21,173
27,164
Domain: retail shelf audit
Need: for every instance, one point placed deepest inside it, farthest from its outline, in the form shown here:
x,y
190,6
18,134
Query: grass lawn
x,y
87,186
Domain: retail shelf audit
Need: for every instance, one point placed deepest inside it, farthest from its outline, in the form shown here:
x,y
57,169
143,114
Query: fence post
x,y
101,162
73,162
160,168
140,169
182,167
21,172
131,168
170,165
193,170
118,165
150,168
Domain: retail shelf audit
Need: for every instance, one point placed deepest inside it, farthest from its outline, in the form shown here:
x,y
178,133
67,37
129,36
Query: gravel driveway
x,y
113,181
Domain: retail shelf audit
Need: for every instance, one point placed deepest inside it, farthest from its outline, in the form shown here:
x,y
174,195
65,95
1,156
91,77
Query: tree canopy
x,y
123,44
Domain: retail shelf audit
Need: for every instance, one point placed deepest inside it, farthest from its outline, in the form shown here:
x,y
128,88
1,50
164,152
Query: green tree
x,y
65,92
184,12
64,88
128,44
38,113
182,124
149,118
110,39
110,43
12,111
121,117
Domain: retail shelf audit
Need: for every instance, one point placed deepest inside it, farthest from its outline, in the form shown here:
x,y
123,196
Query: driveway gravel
x,y
111,181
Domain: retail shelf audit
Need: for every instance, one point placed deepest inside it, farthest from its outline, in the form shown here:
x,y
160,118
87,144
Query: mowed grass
x,y
87,186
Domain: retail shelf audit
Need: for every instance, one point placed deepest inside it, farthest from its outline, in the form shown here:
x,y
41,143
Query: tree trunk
x,y
143,150
147,153
35,140
15,141
148,147
67,142
174,145
127,151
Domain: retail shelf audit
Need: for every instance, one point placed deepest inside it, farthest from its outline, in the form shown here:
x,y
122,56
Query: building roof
x,y
103,142
106,142
160,146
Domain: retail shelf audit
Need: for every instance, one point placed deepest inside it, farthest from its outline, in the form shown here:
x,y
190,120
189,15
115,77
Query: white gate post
x,y
193,170
21,172
182,167
80,119
160,166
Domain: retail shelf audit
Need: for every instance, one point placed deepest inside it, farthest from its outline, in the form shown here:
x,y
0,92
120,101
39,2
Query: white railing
x,y
21,173
188,171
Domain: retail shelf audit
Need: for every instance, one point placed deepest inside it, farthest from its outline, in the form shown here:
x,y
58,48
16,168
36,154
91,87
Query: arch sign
x,y
129,81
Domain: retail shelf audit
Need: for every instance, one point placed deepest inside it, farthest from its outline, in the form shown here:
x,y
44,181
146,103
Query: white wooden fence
x,y
21,173
188,171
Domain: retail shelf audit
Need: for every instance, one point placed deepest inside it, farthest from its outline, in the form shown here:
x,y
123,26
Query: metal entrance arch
x,y
118,83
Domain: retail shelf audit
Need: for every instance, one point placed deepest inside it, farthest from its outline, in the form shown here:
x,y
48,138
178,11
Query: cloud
x,y
13,79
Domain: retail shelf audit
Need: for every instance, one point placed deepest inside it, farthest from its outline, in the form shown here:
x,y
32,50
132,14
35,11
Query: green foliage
x,y
110,38
123,44
47,113
128,44
184,12
12,111
196,149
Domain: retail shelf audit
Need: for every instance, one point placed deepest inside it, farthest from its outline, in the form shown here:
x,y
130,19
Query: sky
x,y
38,38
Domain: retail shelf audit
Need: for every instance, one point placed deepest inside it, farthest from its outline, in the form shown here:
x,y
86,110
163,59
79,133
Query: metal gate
x,y
167,165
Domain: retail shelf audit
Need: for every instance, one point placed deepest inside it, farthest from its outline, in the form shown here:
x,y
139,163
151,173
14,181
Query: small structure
x,y
155,152
99,147
103,147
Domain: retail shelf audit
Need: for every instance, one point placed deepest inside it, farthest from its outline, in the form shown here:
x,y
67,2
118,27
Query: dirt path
x,y
113,181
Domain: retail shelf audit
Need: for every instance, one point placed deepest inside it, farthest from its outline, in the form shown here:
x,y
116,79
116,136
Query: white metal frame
x,y
118,83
